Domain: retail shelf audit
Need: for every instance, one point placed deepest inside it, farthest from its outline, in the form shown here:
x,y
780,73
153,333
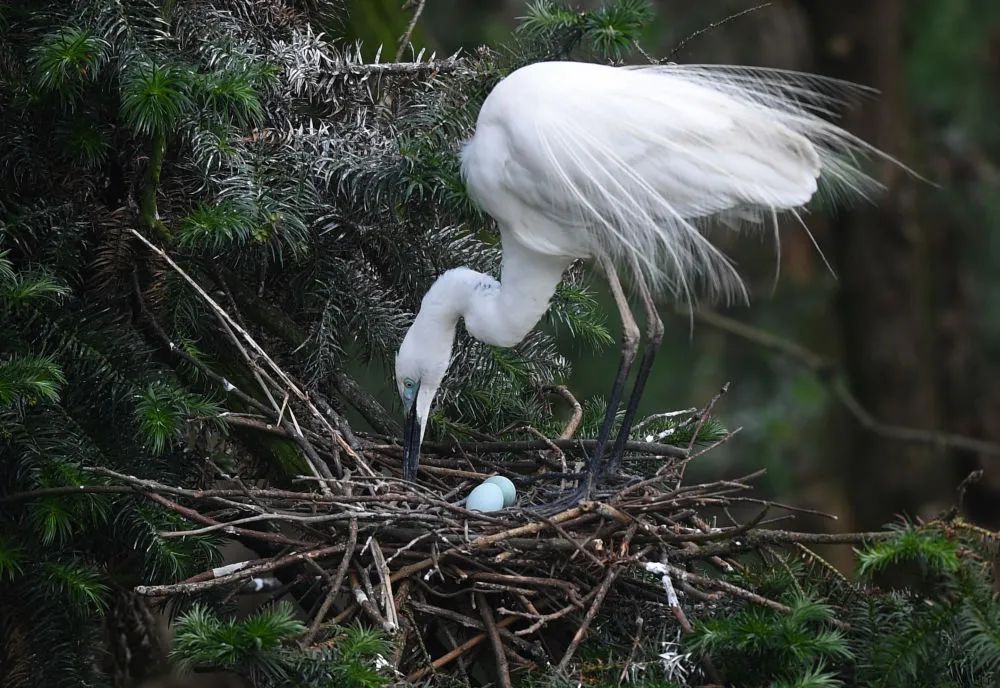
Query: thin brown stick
x,y
503,672
711,26
576,418
249,572
197,517
595,607
532,528
737,591
30,495
581,447
336,582
457,652
407,36
826,371
636,641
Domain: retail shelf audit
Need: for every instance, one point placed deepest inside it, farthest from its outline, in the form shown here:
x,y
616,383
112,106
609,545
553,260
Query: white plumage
x,y
627,166
583,159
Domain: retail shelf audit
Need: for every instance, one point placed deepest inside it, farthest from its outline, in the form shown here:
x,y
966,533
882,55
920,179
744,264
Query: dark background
x,y
910,325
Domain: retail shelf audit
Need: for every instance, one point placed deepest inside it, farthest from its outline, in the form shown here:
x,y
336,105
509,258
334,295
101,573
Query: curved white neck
x,y
497,313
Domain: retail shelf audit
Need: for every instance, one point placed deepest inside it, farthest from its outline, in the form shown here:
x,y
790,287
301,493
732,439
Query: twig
x,y
29,495
336,582
318,468
404,40
197,517
636,641
532,528
705,415
713,25
388,600
825,371
271,565
467,621
503,672
737,591
576,418
457,652
579,446
595,607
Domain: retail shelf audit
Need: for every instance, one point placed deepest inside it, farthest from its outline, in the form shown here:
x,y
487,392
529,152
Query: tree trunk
x,y
886,260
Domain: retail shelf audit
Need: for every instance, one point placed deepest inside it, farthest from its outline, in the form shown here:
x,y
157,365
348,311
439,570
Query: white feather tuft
x,y
634,163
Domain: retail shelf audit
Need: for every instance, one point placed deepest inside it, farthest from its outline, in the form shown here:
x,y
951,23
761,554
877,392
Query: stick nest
x,y
354,541
443,580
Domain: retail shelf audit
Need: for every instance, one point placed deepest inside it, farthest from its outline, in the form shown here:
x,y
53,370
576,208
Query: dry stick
x,y
29,495
224,315
457,652
713,25
463,667
555,450
576,545
532,528
249,572
404,40
788,507
388,600
574,422
338,580
737,591
569,429
219,495
515,446
316,464
364,600
824,368
197,517
718,534
467,621
501,578
503,672
595,606
636,641
660,477
602,592
407,625
541,619
705,415
296,518
228,386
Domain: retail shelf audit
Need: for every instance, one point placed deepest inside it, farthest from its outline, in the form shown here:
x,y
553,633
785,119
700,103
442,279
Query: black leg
x,y
654,335
630,345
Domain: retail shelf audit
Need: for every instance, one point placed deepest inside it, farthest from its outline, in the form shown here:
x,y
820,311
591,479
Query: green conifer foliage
x,y
317,195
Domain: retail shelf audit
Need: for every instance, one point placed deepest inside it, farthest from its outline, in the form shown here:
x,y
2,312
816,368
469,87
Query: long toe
x,y
561,503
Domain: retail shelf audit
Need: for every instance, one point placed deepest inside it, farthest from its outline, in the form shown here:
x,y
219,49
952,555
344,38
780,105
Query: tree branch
x,y
826,371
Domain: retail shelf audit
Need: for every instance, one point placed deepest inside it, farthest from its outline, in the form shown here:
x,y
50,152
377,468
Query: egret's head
x,y
420,367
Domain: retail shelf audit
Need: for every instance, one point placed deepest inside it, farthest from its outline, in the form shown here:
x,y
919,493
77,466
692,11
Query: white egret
x,y
625,166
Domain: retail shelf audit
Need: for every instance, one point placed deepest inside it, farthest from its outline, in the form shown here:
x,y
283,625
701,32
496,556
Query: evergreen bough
x,y
317,196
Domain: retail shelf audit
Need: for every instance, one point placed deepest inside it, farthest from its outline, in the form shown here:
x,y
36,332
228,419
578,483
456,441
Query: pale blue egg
x,y
509,491
486,497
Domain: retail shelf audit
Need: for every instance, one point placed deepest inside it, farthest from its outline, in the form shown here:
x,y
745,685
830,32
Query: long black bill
x,y
411,444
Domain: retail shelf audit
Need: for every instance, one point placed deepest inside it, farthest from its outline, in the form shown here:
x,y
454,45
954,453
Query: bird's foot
x,y
562,502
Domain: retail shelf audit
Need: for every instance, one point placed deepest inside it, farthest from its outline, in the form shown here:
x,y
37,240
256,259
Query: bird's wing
x,y
637,159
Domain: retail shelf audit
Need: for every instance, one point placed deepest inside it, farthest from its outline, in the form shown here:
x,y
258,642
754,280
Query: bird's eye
x,y
409,389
